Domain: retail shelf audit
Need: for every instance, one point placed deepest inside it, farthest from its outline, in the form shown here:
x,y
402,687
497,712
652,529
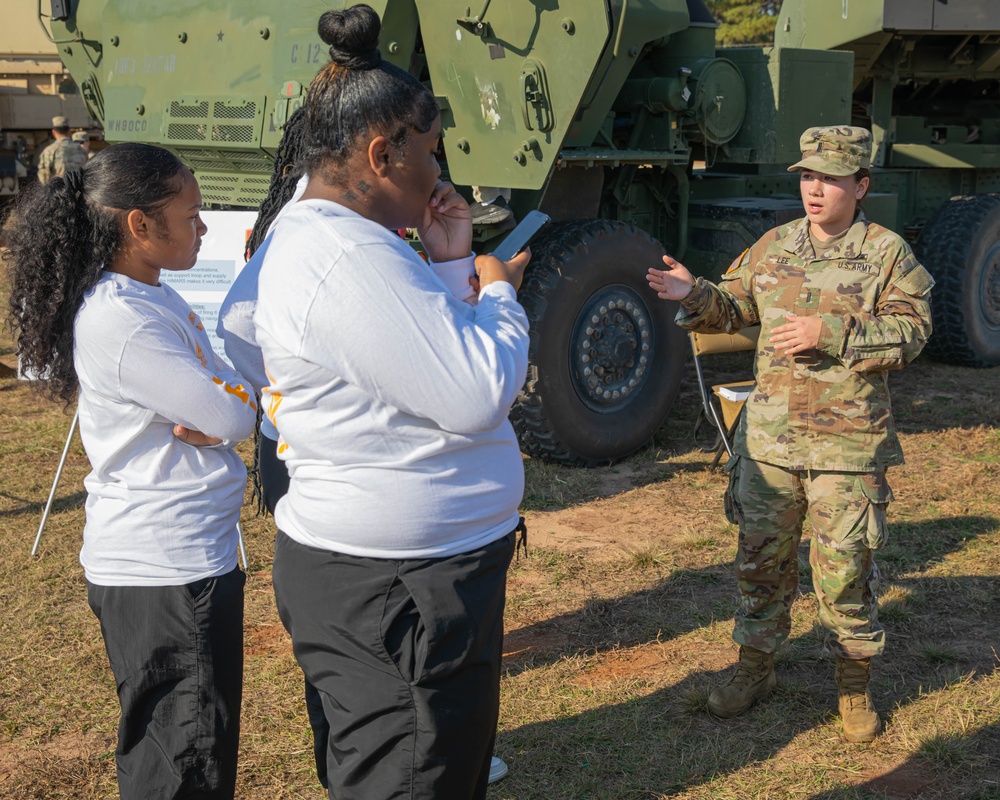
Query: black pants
x,y
274,484
177,656
406,656
273,472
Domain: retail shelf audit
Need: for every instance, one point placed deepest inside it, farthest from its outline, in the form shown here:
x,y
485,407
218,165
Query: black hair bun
x,y
353,36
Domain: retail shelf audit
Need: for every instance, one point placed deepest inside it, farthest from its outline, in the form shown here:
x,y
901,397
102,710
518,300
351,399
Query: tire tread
x,y
943,249
561,243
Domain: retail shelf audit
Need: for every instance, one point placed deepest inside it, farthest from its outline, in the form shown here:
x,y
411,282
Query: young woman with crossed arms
x,y
159,415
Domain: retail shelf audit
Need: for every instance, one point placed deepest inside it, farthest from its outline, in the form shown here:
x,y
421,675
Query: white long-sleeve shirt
x,y
235,326
159,512
391,395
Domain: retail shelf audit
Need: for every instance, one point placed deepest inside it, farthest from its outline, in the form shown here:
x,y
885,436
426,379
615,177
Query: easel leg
x,y
243,549
55,482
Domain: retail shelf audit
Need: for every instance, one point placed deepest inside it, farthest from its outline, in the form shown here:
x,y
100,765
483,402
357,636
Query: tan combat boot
x,y
754,678
861,720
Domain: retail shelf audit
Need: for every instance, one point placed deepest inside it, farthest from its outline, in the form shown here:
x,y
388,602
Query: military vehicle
x,y
35,86
623,121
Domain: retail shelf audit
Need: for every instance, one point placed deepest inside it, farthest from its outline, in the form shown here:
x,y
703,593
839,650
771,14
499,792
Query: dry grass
x,y
618,624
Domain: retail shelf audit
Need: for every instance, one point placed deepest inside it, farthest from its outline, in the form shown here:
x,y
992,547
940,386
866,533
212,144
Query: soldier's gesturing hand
x,y
672,283
797,335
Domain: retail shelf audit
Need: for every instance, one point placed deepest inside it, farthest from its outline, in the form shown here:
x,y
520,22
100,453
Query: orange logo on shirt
x,y
274,403
238,391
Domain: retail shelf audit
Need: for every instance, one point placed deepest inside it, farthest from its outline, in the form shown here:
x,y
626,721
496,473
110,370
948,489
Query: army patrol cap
x,y
81,136
60,122
837,151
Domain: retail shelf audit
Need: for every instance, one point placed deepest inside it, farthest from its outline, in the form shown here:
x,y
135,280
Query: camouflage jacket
x,y
59,158
827,408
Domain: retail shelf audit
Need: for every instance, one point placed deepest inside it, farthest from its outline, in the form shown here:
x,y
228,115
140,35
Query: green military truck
x,y
622,120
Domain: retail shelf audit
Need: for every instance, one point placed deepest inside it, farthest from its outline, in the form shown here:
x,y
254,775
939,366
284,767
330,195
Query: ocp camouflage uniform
x,y
59,158
817,433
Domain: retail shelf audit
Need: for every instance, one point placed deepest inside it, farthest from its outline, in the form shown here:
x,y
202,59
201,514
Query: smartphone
x,y
519,238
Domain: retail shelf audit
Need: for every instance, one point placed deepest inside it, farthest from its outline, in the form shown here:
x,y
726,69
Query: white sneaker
x,y
498,770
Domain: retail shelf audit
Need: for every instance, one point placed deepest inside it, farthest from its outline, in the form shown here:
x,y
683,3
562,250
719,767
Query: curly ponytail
x,y
60,236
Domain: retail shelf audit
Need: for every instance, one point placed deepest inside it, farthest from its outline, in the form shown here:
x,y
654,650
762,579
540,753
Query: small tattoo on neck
x,y
362,187
349,195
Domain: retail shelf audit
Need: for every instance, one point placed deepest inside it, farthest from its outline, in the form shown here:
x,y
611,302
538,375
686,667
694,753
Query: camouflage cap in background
x,y
81,136
838,151
60,122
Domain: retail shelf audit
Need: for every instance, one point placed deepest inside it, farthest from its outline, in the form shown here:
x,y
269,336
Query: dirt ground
x,y
618,623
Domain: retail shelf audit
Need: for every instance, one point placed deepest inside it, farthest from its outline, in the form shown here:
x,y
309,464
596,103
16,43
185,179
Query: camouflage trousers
x,y
847,513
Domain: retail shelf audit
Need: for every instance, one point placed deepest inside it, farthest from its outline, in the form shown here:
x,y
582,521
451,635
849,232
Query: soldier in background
x,y
82,138
840,301
62,156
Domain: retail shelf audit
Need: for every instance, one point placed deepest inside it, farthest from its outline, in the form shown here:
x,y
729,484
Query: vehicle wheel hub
x,y
990,290
611,348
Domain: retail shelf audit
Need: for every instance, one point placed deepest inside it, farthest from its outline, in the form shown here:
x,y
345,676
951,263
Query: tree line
x,y
744,21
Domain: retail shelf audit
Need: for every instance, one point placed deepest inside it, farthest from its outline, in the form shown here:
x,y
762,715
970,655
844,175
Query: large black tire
x,y
606,358
960,247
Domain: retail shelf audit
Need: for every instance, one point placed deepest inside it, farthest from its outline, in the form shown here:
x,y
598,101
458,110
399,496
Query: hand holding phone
x,y
508,261
518,239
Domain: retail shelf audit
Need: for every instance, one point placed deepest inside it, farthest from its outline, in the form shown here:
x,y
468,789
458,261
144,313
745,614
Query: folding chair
x,y
731,396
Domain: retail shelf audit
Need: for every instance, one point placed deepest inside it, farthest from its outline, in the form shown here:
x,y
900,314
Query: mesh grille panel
x,y
224,111
250,196
226,160
232,190
224,181
232,133
213,121
190,133
183,111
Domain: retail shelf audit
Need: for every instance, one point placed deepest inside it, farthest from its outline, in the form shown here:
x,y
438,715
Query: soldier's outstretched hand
x,y
672,283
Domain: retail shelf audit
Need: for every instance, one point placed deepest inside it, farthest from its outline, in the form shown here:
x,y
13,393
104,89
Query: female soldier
x,y
391,398
159,545
841,301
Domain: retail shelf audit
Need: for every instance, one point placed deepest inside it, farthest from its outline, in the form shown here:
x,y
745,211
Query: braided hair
x,y
61,235
287,170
